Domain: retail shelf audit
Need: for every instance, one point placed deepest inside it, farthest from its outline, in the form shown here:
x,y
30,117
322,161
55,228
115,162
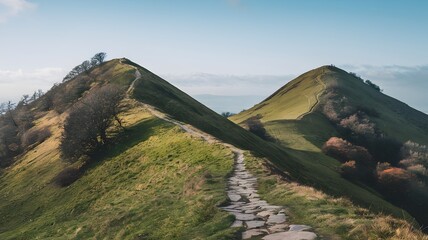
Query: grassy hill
x,y
302,95
154,181
303,125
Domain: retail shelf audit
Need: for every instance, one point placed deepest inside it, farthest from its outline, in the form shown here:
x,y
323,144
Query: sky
x,y
242,49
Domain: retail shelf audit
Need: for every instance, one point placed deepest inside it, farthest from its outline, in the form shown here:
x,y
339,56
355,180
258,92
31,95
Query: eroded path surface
x,y
256,215
259,218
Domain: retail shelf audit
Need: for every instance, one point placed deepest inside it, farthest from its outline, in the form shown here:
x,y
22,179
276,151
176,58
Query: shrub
x,y
255,126
418,169
336,107
34,136
227,114
67,176
393,180
372,85
358,124
349,170
385,149
343,151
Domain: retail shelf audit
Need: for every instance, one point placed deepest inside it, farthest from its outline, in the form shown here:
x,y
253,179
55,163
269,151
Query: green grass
x,y
396,119
306,165
303,138
331,217
158,184
307,134
289,102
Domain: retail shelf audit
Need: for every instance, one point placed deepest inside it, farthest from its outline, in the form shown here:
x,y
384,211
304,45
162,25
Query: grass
x,y
306,165
396,119
156,183
331,217
303,138
289,102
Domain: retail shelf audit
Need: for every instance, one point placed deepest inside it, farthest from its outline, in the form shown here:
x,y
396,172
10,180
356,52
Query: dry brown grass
x,y
332,217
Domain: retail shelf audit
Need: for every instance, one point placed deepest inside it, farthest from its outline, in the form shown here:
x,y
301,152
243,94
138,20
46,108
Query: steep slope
x,y
347,107
302,96
306,166
155,181
292,101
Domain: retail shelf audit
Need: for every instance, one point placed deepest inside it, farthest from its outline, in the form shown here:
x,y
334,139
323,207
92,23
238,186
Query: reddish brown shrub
x,y
349,169
343,151
394,180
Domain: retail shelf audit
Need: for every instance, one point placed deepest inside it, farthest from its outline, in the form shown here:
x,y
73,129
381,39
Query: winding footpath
x,y
317,98
255,215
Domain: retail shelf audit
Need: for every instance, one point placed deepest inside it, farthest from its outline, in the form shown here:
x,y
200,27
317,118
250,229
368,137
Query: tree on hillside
x,y
99,58
227,114
85,129
374,86
86,66
255,126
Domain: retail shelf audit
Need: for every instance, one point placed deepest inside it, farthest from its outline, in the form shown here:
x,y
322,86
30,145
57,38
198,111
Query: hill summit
x,y
116,152
379,141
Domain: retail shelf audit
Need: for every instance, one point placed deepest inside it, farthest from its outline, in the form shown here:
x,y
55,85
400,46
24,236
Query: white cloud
x,y
228,85
15,83
406,83
14,7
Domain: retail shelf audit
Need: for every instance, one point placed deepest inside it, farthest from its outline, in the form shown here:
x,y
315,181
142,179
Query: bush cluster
x,y
256,126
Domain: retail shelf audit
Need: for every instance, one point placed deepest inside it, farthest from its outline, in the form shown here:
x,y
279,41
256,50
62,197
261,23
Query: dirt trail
x,y
258,217
132,86
317,98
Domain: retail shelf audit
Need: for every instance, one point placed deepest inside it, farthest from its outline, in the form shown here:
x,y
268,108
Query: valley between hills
x,y
116,152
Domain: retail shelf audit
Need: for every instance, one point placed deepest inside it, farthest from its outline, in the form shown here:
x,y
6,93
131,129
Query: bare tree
x,y
86,127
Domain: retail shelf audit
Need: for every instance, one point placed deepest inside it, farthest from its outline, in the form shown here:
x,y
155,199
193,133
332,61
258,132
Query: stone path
x,y
257,216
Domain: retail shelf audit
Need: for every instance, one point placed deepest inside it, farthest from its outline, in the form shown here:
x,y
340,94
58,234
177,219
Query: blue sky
x,y
256,46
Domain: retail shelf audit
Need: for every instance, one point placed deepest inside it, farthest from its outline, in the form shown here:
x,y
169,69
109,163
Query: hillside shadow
x,y
123,141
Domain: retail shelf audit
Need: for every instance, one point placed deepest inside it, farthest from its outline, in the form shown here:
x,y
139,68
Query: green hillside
x,y
291,101
154,181
305,133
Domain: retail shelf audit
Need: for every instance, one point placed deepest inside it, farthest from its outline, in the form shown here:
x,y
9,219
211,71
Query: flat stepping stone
x,y
244,216
278,218
237,210
234,197
254,224
278,228
297,228
265,213
237,224
291,236
252,233
252,211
